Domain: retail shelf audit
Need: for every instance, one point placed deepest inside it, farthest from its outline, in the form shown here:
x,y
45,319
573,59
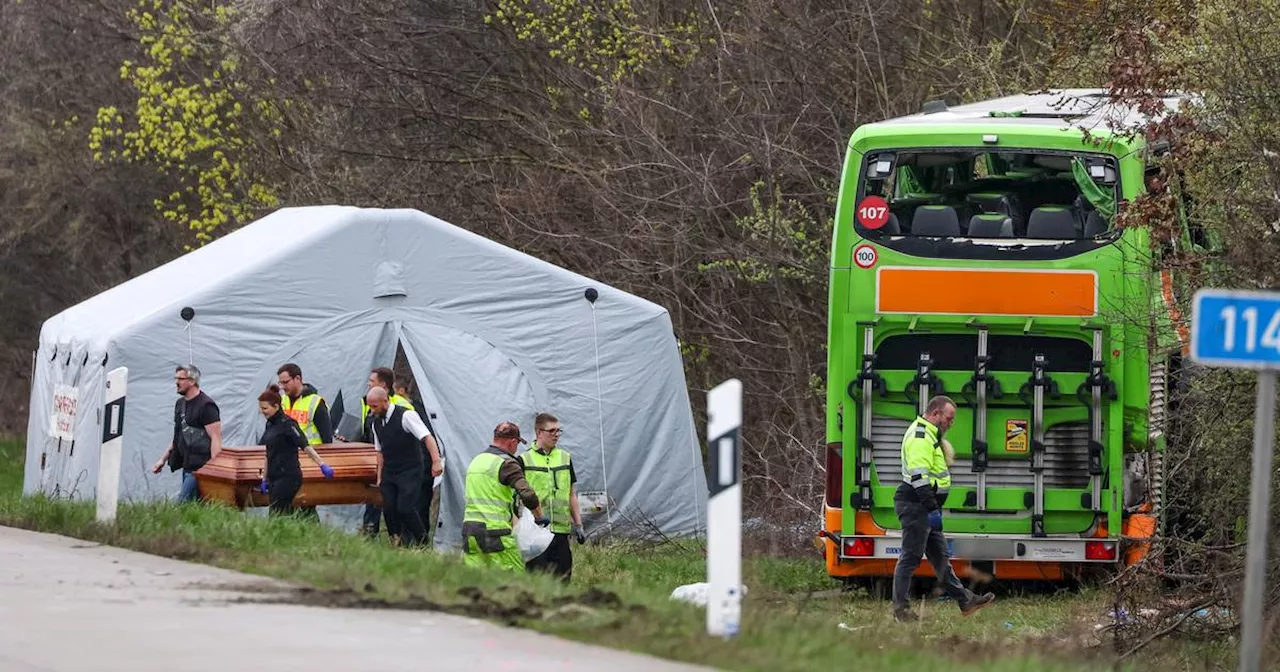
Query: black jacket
x,y
283,439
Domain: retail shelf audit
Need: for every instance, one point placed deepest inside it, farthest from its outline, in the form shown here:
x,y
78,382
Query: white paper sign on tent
x,y
62,420
593,501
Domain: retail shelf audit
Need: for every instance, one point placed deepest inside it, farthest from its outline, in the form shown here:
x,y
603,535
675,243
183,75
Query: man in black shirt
x,y
197,431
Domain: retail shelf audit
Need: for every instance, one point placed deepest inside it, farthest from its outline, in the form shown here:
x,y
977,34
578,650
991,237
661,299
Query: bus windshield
x,y
987,193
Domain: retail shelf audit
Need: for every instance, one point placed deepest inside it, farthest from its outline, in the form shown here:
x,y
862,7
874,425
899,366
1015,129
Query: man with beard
x,y
197,431
400,436
304,404
918,502
384,378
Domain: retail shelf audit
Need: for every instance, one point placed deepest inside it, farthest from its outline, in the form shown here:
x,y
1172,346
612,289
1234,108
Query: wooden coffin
x,y
233,476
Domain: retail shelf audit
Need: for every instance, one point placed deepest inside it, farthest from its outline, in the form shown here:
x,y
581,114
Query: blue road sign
x,y
1236,328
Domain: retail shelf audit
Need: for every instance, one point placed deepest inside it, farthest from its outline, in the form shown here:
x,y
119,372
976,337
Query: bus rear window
x,y
985,194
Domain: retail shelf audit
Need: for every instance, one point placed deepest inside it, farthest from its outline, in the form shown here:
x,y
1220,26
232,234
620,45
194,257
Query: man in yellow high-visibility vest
x,y
549,470
493,483
926,480
304,404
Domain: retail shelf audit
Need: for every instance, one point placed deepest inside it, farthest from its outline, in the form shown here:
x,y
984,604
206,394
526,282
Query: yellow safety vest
x,y
303,411
488,501
922,456
548,475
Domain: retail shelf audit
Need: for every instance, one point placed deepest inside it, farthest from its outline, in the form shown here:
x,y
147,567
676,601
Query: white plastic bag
x,y
696,593
532,540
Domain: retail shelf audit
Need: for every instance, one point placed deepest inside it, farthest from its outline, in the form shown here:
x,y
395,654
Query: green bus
x,y
976,255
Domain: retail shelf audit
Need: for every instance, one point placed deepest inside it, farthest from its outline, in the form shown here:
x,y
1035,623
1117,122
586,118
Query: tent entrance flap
x,y
427,402
471,385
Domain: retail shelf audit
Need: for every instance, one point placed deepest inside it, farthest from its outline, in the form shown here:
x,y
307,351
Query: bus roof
x,y
1054,110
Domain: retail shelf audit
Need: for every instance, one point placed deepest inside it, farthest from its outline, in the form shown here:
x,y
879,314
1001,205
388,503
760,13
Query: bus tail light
x,y
1099,550
859,547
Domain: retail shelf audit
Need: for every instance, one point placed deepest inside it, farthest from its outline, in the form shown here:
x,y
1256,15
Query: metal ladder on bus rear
x,y
870,382
983,386
1040,382
1097,384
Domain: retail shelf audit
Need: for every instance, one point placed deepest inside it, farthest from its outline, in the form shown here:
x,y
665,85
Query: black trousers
x,y
281,493
400,492
372,520
557,559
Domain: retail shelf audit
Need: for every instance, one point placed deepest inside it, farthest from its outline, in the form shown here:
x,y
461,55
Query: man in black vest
x,y
399,436
197,431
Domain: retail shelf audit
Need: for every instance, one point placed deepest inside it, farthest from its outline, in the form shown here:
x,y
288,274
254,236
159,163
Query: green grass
x,y
11,459
791,617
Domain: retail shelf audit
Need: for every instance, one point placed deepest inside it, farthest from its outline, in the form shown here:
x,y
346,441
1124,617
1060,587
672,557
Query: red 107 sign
x,y
873,212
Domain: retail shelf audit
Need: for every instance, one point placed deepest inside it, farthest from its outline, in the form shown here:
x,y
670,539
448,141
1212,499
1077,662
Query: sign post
x,y
1241,329
112,438
724,509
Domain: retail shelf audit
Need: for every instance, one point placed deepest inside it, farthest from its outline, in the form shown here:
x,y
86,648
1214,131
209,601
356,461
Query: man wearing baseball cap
x,y
494,478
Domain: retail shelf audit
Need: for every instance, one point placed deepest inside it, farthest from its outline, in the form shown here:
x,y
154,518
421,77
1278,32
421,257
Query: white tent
x,y
491,334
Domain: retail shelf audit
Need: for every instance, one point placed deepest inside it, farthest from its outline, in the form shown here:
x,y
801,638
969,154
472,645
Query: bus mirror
x,y
881,168
1102,173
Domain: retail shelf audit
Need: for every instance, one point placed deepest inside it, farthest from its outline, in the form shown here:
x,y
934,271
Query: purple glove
x,y
263,486
326,470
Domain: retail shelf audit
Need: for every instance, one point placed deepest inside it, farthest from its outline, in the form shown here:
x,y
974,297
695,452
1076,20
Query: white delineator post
x,y
724,509
112,440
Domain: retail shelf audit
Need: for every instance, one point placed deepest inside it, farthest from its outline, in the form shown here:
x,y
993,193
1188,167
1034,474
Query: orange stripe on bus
x,y
951,291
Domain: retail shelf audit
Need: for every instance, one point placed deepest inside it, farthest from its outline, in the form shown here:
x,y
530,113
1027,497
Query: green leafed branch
x,y
189,118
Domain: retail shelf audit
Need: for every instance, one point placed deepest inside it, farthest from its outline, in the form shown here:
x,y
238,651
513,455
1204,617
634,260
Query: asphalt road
x,y
67,604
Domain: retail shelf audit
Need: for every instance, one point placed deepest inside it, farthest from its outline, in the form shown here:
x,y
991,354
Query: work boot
x,y
976,603
904,615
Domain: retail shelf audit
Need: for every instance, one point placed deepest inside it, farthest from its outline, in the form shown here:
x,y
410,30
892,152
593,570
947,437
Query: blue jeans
x,y
189,491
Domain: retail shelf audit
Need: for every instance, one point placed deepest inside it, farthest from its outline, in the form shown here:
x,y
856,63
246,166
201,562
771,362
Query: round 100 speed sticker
x,y
865,256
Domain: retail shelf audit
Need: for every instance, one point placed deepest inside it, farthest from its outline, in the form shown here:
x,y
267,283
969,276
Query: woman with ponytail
x,y
283,439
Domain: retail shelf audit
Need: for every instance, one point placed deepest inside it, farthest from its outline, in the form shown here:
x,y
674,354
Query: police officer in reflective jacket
x,y
494,481
918,502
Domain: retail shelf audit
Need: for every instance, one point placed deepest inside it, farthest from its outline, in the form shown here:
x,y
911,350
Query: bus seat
x,y
991,202
935,220
892,227
991,225
998,203
1052,222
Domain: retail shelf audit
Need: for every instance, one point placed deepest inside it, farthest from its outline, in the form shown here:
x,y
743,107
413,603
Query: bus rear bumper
x,y
991,547
873,551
